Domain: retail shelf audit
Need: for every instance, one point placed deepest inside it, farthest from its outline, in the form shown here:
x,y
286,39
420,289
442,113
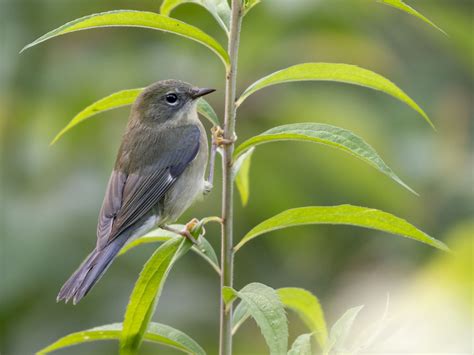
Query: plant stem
x,y
227,253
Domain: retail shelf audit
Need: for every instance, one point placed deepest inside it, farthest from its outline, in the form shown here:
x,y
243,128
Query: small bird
x,y
158,173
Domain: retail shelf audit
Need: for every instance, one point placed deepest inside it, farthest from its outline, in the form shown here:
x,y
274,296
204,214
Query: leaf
x,y
323,134
307,306
156,333
343,214
124,98
340,330
400,5
143,19
147,291
241,314
241,174
203,248
249,4
207,111
265,307
219,9
301,346
350,74
228,295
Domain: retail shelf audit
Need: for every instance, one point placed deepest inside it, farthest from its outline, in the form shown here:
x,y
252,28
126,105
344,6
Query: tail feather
x,y
90,271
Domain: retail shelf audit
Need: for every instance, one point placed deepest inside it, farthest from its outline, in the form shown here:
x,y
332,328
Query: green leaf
x,y
249,4
156,333
228,295
265,307
207,111
241,314
343,214
340,330
307,306
147,291
345,73
218,8
124,98
143,19
203,247
323,134
301,346
400,5
241,170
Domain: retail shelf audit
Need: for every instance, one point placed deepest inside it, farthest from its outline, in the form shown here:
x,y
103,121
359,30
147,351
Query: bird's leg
x,y
186,231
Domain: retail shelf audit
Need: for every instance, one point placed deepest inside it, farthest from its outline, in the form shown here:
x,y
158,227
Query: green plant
x,y
264,304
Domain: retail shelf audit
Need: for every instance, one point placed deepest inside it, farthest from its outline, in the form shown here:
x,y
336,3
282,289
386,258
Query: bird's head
x,y
166,100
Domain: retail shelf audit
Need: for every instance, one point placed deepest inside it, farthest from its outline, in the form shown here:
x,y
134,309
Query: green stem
x,y
227,253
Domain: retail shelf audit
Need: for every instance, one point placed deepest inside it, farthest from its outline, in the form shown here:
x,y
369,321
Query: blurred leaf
x,y
307,306
203,247
249,4
345,73
343,214
130,18
400,5
218,8
241,314
301,346
124,98
156,333
324,134
264,306
340,330
241,170
146,293
207,111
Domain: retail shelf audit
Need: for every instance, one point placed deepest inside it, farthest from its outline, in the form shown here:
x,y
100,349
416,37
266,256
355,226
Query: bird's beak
x,y
201,92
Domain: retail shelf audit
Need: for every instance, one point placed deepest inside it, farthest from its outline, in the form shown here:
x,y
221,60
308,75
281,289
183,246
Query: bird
x,y
159,172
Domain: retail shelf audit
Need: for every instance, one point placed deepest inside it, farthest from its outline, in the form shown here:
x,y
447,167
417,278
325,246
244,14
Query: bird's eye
x,y
171,99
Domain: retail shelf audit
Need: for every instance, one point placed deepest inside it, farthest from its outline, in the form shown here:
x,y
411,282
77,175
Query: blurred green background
x,y
50,196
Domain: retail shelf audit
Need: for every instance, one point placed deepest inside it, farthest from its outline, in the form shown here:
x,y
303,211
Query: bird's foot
x,y
207,187
218,137
186,231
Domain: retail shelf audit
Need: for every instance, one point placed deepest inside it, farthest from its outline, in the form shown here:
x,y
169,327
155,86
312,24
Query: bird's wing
x,y
130,196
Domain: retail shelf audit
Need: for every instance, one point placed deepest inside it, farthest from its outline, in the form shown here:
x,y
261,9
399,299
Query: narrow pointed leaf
x,y
203,248
301,346
143,19
350,74
343,214
146,293
241,174
156,333
205,109
125,98
219,9
341,329
241,314
307,306
323,134
400,5
265,307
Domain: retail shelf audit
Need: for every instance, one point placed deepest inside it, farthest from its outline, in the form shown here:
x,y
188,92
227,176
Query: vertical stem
x,y
227,254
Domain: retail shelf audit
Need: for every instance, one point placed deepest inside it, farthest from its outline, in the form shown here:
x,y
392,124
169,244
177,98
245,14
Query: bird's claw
x,y
208,186
218,137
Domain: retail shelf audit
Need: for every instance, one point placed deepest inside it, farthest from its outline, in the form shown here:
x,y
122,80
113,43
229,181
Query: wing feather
x,y
131,196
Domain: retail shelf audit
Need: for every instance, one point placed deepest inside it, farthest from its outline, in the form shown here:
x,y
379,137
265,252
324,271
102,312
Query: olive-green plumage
x,y
158,173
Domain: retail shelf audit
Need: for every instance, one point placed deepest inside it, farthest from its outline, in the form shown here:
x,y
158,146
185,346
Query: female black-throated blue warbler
x,y
158,173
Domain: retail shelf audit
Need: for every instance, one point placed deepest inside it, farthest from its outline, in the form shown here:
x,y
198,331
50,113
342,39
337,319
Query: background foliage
x,y
50,196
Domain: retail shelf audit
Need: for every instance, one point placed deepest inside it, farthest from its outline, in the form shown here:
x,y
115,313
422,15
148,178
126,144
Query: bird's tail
x,y
90,271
